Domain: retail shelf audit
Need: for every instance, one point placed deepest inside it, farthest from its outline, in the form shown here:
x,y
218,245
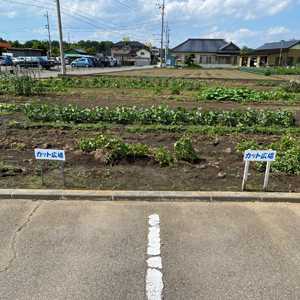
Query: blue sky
x,y
244,22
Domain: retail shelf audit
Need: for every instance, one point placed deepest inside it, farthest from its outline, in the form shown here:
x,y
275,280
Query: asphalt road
x,y
76,71
98,250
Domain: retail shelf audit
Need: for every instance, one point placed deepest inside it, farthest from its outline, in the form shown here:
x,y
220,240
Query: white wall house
x,y
144,53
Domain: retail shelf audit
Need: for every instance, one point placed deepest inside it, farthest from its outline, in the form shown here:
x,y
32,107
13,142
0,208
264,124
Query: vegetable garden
x,y
148,133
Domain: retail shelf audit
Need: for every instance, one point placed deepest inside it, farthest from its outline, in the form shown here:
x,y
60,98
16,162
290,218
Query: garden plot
x,y
145,134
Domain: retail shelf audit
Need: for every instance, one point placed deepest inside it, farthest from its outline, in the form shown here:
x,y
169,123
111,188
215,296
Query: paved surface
x,y
79,71
98,250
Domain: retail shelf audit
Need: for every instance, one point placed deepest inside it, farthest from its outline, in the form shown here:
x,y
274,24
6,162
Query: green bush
x,y
185,150
290,87
163,156
267,72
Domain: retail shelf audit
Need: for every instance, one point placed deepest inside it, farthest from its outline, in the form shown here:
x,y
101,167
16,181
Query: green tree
x,y
16,44
245,49
190,59
55,51
91,51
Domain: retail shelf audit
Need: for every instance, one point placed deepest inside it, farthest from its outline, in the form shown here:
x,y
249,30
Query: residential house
x,y
207,51
273,54
130,50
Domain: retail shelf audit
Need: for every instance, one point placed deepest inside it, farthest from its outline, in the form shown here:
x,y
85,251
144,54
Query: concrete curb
x,y
158,196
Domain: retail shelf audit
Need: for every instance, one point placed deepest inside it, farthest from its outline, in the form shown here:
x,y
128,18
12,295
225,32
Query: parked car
x,y
2,61
104,61
58,59
112,62
94,61
7,60
35,62
119,64
81,62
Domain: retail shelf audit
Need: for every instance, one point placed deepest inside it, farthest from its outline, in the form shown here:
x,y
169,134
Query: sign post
x,y
51,155
258,155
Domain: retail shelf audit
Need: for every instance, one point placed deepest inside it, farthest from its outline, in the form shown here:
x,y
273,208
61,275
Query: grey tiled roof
x,y
201,45
131,43
278,45
79,50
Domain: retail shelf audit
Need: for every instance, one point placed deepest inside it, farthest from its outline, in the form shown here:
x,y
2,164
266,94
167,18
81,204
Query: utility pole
x,y
69,39
162,30
61,44
48,27
167,41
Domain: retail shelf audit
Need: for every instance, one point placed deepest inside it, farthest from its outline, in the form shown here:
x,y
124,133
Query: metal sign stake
x,y
63,173
247,163
42,171
267,173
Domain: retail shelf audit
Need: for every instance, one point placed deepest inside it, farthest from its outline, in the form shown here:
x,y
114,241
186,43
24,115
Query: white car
x,y
59,60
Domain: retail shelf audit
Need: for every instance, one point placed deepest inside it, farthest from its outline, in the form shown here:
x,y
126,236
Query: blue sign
x,y
259,155
50,154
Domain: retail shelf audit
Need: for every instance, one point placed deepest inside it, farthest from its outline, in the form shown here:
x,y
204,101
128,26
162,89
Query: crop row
x,y
245,95
7,108
118,149
128,82
160,115
279,71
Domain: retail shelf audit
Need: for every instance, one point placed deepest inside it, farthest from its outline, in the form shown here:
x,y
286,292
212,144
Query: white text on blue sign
x,y
259,155
50,154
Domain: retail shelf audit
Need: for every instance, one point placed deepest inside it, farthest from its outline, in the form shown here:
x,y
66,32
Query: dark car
x,y
35,62
103,61
94,61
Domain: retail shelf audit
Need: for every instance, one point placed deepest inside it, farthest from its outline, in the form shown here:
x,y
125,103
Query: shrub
x,y
267,72
175,90
290,87
163,156
185,150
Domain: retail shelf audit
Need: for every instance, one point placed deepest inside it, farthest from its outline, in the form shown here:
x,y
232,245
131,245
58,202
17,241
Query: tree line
x,y
89,46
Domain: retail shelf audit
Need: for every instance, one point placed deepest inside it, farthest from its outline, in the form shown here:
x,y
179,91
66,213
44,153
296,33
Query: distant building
x,y
76,51
273,54
130,50
26,51
207,51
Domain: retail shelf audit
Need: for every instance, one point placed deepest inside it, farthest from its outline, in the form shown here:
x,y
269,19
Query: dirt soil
x,y
219,166
206,73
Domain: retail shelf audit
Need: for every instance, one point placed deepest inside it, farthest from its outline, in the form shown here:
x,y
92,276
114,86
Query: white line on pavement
x,y
154,282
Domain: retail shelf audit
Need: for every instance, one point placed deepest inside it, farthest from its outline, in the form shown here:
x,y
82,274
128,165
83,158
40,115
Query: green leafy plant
x,y
163,156
267,72
185,150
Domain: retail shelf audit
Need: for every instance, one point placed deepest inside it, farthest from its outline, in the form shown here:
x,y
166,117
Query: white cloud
x,y
212,11
253,39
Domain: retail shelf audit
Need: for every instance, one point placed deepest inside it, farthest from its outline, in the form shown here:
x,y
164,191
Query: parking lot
x,y
74,71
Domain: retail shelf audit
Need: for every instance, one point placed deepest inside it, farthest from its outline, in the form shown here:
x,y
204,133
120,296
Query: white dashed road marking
x,y
154,282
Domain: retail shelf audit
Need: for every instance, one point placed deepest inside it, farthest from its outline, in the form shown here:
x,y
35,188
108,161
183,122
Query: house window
x,y
126,48
234,60
223,60
279,61
142,53
298,60
289,61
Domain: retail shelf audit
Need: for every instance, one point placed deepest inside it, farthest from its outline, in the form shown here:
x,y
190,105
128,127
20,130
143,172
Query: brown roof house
x,y
207,51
